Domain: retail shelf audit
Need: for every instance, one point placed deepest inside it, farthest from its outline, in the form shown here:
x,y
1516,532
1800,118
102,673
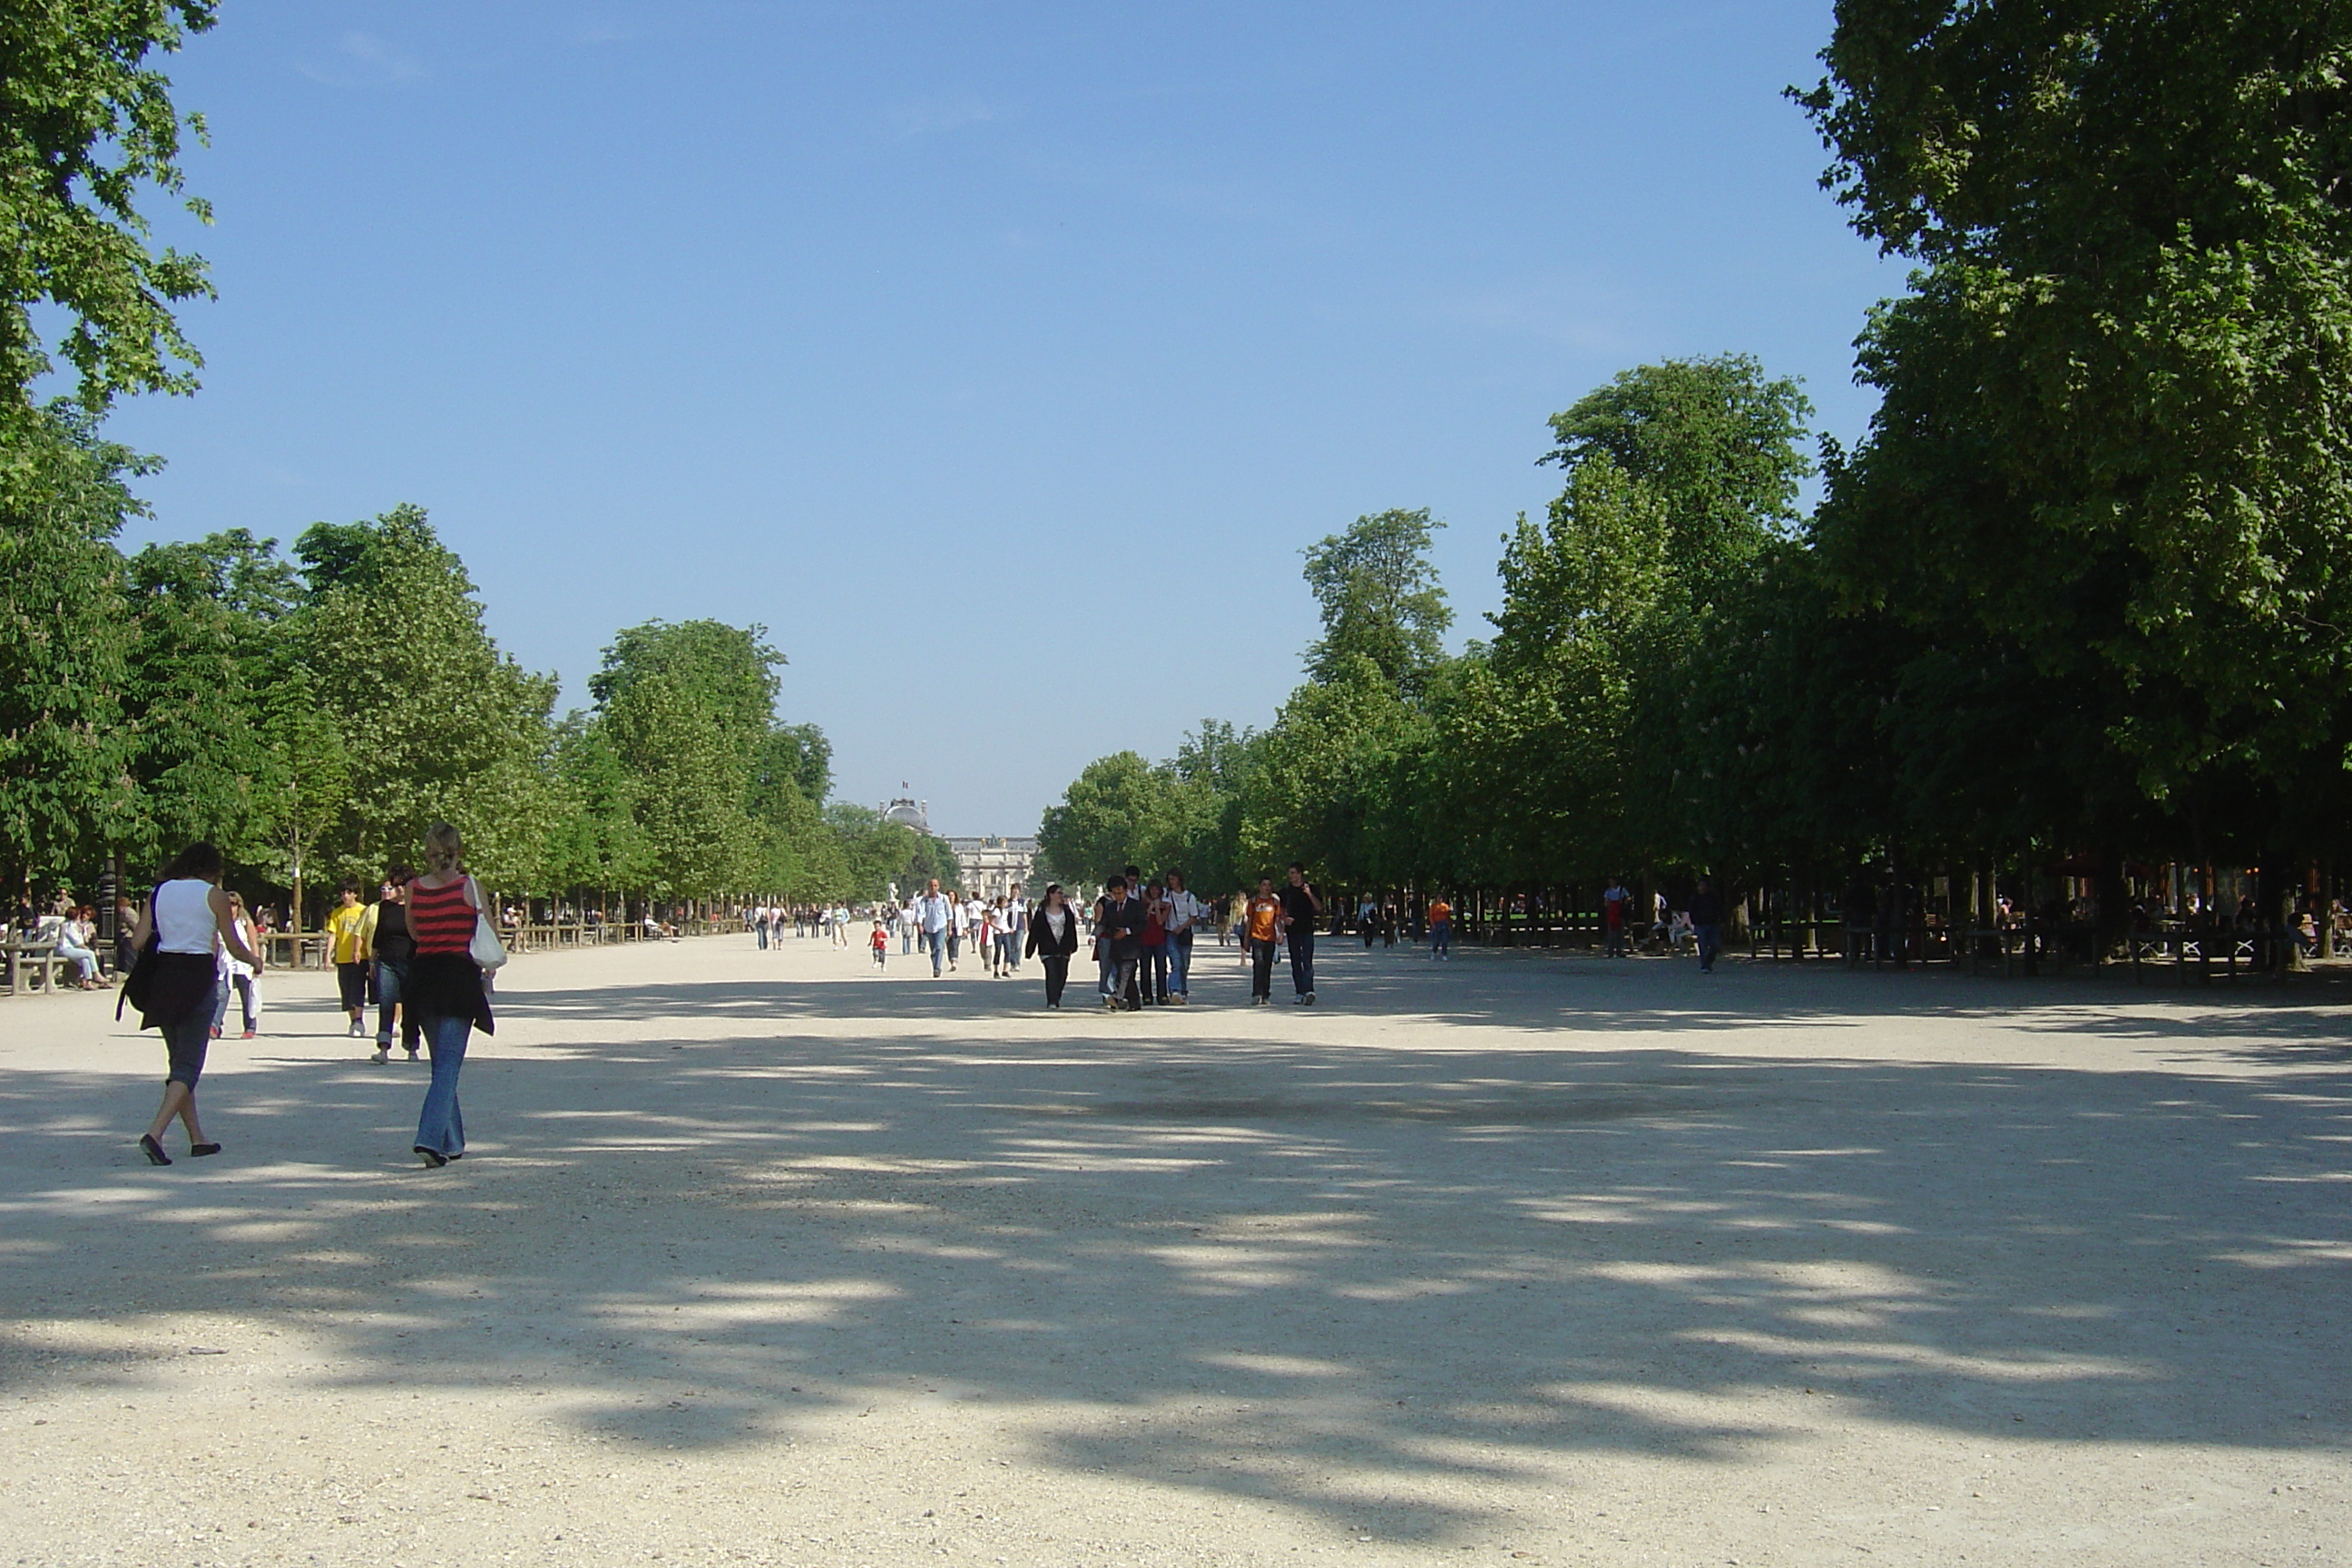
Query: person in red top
x,y
446,986
880,940
1153,972
1441,929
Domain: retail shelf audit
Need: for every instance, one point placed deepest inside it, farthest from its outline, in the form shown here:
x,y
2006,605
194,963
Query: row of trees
x,y
314,715
2081,593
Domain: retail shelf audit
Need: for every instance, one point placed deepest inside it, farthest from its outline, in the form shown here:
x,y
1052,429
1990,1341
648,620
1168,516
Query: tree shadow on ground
x,y
1265,1268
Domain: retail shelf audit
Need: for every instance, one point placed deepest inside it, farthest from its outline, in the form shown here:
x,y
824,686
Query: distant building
x,y
908,813
992,866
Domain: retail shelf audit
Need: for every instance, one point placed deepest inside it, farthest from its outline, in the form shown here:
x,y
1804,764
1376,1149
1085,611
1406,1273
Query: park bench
x,y
35,961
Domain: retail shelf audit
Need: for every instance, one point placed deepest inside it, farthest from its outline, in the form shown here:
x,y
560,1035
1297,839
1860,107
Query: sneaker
x,y
356,1029
247,1035
1179,999
383,1055
413,1055
1310,999
215,1034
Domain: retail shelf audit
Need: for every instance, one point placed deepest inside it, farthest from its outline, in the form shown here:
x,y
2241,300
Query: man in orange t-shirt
x,y
1441,929
1262,933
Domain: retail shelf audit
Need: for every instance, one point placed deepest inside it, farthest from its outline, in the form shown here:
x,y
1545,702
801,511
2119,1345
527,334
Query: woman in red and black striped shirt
x,y
446,992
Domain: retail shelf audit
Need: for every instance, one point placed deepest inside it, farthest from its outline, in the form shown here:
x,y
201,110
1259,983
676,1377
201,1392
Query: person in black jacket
x,y
1119,925
1706,924
1053,938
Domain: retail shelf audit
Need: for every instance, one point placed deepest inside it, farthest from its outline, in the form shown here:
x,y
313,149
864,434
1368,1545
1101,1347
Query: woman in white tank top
x,y
187,920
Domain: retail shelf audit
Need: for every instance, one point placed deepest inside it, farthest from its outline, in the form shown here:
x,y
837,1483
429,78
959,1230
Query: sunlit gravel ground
x,y
770,1257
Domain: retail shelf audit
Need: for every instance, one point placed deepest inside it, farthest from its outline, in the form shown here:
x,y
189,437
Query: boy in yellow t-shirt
x,y
347,945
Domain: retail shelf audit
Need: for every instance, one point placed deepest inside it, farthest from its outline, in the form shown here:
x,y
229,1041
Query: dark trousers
x,y
1057,975
1154,971
1123,967
1261,968
1710,943
1302,960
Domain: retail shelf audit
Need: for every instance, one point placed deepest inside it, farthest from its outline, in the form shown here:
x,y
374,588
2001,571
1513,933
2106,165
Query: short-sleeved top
x,y
1441,910
1264,910
343,926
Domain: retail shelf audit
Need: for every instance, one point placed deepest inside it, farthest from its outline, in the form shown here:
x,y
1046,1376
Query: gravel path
x,y
768,1257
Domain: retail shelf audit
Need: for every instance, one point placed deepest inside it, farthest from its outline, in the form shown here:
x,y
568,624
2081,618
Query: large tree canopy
x,y
2117,421
86,123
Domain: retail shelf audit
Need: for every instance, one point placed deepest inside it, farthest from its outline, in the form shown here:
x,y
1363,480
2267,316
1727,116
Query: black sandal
x,y
434,1159
152,1150
198,1151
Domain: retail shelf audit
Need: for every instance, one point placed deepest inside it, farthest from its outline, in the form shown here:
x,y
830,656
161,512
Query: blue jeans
x,y
1710,943
1180,964
84,959
936,942
1441,938
441,1128
1302,960
763,936
906,940
245,995
1008,949
391,982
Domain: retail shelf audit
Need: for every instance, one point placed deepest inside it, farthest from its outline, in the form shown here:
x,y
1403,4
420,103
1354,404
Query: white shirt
x,y
231,962
1183,910
935,910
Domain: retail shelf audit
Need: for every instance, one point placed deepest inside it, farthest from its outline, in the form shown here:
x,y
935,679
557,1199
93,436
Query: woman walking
x,y
238,975
1054,937
445,990
186,921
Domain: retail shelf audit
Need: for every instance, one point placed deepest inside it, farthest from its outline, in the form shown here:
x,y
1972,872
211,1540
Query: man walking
x,y
1014,929
1121,932
1615,902
1184,913
1440,928
935,916
1300,906
1706,924
348,948
1261,924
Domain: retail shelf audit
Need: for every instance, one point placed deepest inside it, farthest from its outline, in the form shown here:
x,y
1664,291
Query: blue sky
x,y
999,358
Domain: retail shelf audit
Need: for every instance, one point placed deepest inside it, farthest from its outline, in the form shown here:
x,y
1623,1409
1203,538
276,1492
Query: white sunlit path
x,y
770,1257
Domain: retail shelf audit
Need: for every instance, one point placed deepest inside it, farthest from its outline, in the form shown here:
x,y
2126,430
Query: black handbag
x,y
139,984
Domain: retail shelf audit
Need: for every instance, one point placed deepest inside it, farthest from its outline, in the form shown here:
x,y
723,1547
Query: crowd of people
x,y
1141,933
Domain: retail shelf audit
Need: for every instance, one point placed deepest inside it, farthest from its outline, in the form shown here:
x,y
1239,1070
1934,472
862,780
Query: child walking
x,y
880,940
